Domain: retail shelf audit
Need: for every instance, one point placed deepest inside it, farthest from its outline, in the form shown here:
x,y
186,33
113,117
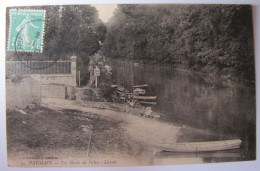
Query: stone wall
x,y
25,89
61,79
22,91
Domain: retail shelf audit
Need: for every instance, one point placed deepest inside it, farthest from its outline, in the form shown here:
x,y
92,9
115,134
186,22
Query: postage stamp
x,y
26,30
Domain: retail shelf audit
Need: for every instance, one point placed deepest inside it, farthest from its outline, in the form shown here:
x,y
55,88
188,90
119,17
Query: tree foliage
x,y
69,30
207,38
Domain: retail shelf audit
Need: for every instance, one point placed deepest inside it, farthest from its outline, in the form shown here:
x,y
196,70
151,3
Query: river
x,y
208,106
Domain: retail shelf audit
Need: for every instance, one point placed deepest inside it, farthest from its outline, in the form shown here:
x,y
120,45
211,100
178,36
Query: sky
x,y
105,11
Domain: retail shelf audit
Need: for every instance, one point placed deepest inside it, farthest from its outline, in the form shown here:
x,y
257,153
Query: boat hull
x,y
201,146
144,97
140,86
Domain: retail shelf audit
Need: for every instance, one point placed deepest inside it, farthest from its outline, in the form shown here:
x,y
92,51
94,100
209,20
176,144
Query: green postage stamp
x,y
26,30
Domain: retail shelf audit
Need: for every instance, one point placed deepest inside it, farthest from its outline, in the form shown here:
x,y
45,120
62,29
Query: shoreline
x,y
117,135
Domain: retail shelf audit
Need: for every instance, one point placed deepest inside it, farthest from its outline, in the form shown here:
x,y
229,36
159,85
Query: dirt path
x,y
141,129
75,131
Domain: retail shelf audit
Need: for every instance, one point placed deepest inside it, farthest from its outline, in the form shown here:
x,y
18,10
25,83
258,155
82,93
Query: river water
x,y
209,107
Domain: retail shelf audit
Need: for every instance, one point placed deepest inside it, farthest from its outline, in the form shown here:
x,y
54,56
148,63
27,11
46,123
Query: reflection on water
x,y
193,158
176,161
210,107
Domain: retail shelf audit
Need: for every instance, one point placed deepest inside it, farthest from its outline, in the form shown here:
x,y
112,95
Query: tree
x,y
69,30
206,38
81,30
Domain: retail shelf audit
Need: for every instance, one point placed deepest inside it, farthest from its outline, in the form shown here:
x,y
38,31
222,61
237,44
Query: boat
x,y
140,86
215,154
145,102
131,94
139,91
200,146
144,97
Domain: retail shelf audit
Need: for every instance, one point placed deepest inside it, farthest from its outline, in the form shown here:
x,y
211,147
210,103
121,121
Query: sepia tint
x,y
146,84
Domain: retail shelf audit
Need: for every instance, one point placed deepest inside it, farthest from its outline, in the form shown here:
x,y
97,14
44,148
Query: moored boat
x,y
146,102
200,146
144,97
140,86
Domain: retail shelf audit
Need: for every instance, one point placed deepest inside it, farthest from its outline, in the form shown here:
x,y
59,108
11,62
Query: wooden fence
x,y
37,67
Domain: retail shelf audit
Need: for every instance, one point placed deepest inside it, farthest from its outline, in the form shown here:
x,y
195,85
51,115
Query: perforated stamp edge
x,y
10,26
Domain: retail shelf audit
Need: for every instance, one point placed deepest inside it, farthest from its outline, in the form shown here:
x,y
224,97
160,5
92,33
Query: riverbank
x,y
73,131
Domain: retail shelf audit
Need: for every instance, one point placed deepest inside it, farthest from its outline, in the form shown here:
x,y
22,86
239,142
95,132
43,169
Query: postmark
x,y
26,38
26,30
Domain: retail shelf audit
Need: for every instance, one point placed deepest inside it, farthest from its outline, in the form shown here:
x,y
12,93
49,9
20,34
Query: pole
x,y
79,78
96,81
89,141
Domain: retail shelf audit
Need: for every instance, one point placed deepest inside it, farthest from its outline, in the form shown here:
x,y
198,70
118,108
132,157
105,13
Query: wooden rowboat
x,y
144,97
146,102
140,86
215,154
200,146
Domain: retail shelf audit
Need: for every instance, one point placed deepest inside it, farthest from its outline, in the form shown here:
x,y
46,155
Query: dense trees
x,y
81,30
207,38
69,30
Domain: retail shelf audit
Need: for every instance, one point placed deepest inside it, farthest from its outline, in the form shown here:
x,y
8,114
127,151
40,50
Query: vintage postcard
x,y
129,85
